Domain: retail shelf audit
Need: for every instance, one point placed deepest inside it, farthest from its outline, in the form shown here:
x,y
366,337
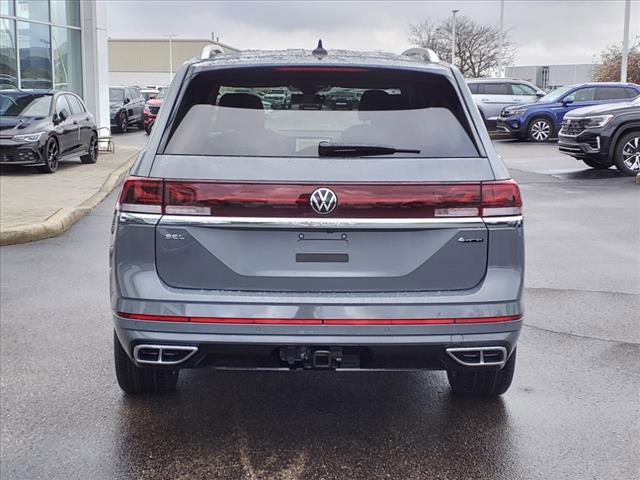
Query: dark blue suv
x,y
540,121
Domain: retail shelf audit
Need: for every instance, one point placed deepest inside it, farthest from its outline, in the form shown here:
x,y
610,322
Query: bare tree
x,y
477,45
611,58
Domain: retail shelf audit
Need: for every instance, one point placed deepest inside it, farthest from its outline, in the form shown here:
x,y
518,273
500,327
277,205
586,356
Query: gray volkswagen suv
x,y
385,236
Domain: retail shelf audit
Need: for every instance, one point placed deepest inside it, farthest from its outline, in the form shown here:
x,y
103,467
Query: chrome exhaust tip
x,y
163,354
479,356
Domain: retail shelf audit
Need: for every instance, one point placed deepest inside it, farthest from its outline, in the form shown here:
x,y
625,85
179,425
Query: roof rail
x,y
426,54
210,51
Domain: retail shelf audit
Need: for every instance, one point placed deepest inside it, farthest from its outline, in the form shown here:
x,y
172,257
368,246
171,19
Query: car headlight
x,y
27,137
597,120
517,113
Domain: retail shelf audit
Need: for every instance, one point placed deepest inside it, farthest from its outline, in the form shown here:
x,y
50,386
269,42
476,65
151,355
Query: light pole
x,y
625,42
453,37
171,36
501,66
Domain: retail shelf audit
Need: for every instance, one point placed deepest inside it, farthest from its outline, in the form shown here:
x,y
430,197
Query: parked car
x,y
149,93
387,239
604,135
277,97
341,99
541,121
492,95
151,109
42,128
126,108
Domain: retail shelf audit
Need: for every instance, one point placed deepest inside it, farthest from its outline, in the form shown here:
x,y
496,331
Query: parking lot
x,y
572,412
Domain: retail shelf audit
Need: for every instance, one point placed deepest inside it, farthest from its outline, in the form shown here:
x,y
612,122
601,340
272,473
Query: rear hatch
x,y
299,200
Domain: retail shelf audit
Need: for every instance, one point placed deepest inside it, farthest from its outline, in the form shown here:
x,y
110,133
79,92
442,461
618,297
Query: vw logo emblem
x,y
323,200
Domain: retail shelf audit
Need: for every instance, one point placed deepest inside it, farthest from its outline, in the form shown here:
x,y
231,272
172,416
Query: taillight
x,y
501,198
293,200
141,195
288,200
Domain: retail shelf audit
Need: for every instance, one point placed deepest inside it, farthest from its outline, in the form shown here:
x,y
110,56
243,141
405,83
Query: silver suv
x,y
384,236
493,94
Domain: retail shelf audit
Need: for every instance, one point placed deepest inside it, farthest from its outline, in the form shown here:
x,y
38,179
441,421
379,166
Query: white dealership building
x,y
60,44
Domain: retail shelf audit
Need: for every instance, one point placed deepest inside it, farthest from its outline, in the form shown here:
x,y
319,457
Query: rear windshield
x,y
290,111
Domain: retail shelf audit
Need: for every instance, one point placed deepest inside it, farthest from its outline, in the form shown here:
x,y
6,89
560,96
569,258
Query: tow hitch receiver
x,y
311,358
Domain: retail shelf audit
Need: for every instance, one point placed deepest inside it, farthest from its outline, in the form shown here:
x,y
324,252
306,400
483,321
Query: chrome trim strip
x,y
139,218
341,223
481,350
160,348
514,221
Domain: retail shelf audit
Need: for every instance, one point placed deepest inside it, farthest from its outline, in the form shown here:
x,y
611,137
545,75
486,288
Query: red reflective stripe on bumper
x,y
157,318
271,321
313,321
407,321
511,318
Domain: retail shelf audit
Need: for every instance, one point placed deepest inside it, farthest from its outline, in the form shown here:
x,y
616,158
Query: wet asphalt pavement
x,y
573,411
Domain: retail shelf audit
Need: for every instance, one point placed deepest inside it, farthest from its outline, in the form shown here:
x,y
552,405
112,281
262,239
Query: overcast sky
x,y
545,32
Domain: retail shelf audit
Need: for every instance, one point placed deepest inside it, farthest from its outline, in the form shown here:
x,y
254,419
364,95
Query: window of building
x,y
65,12
8,56
67,58
33,10
34,45
6,8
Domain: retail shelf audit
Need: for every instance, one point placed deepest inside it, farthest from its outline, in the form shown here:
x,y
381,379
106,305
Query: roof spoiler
x,y
425,54
210,51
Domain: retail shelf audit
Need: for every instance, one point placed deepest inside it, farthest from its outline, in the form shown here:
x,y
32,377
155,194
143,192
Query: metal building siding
x,y
150,55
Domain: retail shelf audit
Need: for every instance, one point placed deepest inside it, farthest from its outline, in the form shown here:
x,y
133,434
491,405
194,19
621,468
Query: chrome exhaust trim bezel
x,y
481,350
160,348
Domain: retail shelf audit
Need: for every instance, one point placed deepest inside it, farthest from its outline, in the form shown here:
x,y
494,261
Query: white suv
x,y
491,95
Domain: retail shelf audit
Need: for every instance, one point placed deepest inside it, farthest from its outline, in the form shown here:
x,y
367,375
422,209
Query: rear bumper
x,y
366,347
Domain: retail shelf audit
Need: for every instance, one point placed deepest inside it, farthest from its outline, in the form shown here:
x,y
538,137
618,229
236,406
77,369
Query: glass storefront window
x,y
34,45
65,12
6,7
67,59
33,9
8,57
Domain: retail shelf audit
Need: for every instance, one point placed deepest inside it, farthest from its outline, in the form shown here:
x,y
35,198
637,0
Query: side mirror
x,y
126,100
63,115
567,101
540,94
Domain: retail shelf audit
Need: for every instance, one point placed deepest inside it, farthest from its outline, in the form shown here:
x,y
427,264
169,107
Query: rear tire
x,y
482,383
92,155
596,164
140,124
135,380
123,123
540,130
627,153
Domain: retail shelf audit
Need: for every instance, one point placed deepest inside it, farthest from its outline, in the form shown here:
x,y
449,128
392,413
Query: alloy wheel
x,y
52,155
93,148
631,154
540,130
123,123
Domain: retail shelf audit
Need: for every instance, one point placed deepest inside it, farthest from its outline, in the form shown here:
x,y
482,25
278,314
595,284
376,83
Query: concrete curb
x,y
66,217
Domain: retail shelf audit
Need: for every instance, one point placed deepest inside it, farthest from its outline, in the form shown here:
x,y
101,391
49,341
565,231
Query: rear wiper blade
x,y
329,149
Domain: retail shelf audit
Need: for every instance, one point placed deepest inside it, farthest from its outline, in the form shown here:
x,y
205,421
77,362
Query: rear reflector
x,y
317,321
291,200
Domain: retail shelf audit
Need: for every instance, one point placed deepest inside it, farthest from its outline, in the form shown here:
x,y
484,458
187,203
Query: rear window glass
x,y
289,111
